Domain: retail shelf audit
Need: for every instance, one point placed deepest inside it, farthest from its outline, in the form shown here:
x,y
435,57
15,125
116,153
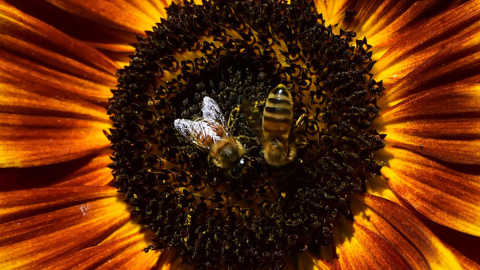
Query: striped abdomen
x,y
278,113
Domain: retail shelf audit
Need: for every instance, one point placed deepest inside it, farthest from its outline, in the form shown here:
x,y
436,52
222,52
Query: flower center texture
x,y
241,129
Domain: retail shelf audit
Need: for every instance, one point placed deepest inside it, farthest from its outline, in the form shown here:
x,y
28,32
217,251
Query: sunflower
x,y
380,167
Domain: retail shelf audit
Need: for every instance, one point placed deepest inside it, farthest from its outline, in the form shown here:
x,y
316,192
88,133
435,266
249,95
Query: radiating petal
x,y
129,228
422,114
87,171
402,230
122,253
382,228
95,173
31,37
438,192
466,247
35,140
37,78
360,248
24,229
378,186
309,262
449,128
453,151
119,14
446,38
17,98
455,100
374,16
38,239
23,203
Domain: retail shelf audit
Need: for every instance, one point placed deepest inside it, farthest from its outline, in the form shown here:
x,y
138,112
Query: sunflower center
x,y
241,128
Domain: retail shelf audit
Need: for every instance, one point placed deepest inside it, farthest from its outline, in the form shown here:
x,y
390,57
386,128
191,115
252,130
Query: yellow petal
x,y
332,11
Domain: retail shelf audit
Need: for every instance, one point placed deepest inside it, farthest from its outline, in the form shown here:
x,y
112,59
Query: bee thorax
x,y
227,154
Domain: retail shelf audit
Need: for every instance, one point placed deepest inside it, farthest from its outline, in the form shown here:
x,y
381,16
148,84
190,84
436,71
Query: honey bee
x,y
274,128
212,134
277,122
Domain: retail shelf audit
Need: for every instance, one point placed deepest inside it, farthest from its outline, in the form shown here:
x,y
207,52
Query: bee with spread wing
x,y
211,133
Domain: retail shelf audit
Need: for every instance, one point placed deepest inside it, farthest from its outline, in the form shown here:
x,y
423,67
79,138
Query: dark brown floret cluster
x,y
253,214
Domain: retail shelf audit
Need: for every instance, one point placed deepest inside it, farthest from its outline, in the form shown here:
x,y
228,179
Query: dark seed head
x,y
251,213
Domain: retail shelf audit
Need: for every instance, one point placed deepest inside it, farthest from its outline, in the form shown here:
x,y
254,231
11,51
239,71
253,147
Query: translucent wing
x,y
211,110
204,133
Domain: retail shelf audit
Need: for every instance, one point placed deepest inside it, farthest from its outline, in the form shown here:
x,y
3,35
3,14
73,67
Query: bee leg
x,y
300,121
233,116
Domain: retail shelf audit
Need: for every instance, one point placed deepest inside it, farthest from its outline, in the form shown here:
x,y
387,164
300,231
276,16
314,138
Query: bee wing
x,y
211,110
201,132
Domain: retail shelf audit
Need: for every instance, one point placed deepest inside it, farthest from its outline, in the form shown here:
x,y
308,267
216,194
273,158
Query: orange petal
x,y
87,171
401,229
121,48
447,101
27,228
447,34
95,173
54,59
381,227
31,37
116,254
33,99
36,78
35,140
396,22
117,14
129,228
72,229
375,16
453,151
22,203
444,195
449,128
360,248
465,246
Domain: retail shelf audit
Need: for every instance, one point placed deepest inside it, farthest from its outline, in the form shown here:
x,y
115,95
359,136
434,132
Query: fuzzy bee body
x,y
277,122
211,133
278,113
